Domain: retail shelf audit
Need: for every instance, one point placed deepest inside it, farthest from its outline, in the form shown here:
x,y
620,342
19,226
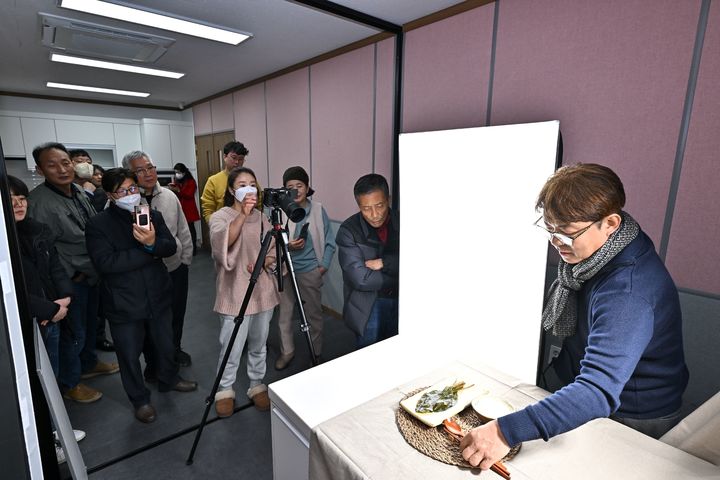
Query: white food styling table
x,y
365,443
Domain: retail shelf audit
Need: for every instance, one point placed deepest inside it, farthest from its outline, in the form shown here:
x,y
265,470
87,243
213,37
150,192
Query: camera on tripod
x,y
284,198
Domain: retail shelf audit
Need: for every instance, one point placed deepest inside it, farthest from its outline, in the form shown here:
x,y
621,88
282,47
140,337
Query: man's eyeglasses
x,y
132,189
564,238
145,171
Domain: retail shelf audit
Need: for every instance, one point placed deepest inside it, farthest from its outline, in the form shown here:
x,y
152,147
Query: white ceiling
x,y
284,34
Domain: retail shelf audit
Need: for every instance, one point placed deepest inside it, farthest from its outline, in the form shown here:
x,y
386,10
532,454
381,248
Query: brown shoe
x,y
81,393
259,396
145,413
225,407
101,368
283,361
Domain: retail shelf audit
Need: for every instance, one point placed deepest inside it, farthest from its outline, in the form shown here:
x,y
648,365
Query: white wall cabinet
x,y
182,145
36,131
127,139
84,133
11,136
156,143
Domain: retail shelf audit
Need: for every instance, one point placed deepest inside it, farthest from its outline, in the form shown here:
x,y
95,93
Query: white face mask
x,y
128,202
179,175
84,170
242,191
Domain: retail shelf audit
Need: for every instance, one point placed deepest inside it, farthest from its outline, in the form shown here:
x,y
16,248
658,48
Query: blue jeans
x,y
77,335
51,339
382,324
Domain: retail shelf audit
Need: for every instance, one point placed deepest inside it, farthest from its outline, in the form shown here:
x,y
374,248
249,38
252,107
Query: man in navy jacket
x,y
618,311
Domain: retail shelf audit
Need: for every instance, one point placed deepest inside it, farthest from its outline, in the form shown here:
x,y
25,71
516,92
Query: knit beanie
x,y
298,173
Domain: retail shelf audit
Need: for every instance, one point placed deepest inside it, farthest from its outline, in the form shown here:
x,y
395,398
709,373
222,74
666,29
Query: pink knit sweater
x,y
231,264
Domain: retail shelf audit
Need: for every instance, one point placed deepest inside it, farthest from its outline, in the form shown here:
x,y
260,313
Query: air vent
x,y
101,41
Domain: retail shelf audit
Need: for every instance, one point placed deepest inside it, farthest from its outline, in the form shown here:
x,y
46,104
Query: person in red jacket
x,y
185,187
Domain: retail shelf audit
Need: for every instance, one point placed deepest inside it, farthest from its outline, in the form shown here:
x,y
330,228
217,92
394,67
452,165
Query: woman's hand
x,y
144,236
63,302
374,264
248,204
297,244
61,313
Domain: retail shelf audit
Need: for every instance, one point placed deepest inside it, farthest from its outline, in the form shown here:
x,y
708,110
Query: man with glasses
x,y
166,202
136,289
62,205
213,195
618,312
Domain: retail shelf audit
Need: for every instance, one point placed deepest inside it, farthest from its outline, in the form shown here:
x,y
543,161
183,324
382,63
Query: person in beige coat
x,y
236,232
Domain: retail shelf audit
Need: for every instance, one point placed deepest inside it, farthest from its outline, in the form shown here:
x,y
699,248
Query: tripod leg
x,y
259,263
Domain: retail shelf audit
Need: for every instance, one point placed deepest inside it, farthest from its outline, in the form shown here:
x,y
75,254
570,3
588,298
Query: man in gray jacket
x,y
167,203
63,206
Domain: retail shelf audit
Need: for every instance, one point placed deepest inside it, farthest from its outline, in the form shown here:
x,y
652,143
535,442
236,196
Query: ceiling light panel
x,y
97,89
87,62
153,19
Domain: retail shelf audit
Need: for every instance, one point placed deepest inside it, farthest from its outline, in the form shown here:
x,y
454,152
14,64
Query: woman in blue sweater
x,y
618,311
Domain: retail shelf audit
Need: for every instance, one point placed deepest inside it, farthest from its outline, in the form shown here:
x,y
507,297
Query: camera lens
x,y
294,211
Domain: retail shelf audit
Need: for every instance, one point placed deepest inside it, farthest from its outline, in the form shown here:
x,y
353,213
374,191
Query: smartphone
x,y
303,231
142,216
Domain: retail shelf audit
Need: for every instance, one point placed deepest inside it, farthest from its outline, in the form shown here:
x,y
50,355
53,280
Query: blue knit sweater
x,y
626,356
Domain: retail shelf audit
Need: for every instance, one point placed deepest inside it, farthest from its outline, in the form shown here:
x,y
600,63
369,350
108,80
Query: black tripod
x,y
283,253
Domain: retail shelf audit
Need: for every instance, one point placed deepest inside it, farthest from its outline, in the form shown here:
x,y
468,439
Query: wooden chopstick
x,y
497,467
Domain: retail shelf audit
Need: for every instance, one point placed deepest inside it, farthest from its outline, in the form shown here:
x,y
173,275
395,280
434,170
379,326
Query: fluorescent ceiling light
x,y
57,57
156,20
97,89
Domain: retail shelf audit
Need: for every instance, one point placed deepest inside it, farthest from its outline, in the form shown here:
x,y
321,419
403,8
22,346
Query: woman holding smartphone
x,y
236,233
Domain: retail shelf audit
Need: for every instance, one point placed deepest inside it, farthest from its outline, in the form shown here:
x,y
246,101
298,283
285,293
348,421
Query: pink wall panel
x,y
446,72
384,96
693,256
222,113
201,119
288,124
249,112
341,109
613,73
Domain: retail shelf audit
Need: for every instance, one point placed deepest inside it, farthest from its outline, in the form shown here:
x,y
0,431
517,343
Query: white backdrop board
x,y
472,265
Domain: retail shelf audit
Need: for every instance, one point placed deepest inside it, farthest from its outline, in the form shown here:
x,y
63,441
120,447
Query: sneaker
x,y
59,454
79,435
101,368
81,393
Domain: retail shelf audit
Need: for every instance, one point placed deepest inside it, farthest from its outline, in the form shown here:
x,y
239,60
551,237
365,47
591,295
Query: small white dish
x,y
490,408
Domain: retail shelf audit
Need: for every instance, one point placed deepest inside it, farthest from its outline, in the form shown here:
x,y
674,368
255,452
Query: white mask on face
x,y
128,202
242,191
179,175
84,170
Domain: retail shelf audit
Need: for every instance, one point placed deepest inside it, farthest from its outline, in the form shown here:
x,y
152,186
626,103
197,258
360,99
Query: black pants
x,y
179,278
193,236
129,338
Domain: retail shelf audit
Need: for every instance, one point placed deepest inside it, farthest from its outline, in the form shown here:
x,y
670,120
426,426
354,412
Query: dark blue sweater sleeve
x,y
621,328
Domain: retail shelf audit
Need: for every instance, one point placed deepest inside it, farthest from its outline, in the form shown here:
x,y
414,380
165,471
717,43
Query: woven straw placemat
x,y
434,441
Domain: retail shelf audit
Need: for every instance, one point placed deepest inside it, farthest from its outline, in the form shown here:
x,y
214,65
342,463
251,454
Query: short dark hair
x,y
236,148
98,167
17,186
579,193
371,183
229,198
114,177
40,149
180,167
79,152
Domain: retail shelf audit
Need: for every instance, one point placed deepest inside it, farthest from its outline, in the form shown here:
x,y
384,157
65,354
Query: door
x,y
209,156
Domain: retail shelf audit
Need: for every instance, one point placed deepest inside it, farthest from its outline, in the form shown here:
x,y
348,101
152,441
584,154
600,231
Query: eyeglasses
x,y
145,171
17,200
565,239
132,189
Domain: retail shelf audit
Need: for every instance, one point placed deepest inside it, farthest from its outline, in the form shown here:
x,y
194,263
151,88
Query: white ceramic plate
x,y
491,407
434,419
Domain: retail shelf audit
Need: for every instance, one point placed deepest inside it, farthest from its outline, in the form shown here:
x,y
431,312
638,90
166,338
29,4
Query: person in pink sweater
x,y
236,232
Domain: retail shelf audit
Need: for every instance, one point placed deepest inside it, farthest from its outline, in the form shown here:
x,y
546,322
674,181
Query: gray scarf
x,y
560,313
